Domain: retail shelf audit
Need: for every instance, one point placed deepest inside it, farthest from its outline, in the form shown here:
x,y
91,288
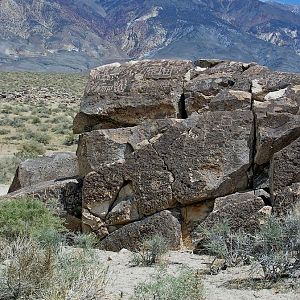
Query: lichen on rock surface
x,y
166,145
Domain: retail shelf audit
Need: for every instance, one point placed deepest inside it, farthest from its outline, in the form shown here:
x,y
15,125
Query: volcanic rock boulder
x,y
59,165
286,177
122,95
130,236
204,159
168,145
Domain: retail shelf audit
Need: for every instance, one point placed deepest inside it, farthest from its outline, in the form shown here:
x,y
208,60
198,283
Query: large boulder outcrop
x,y
58,165
167,145
204,159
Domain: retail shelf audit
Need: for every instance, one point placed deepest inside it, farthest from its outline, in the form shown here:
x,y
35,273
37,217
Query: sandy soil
x,y
3,189
123,277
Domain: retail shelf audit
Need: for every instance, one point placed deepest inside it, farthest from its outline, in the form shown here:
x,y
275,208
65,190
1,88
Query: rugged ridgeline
x,y
167,145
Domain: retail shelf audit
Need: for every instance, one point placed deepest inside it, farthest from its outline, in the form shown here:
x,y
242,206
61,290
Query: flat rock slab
x,y
59,165
120,95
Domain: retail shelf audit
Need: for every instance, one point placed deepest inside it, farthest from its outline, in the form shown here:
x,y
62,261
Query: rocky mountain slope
x,y
168,144
76,35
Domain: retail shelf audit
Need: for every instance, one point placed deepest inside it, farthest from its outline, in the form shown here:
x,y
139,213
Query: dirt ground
x,y
122,277
3,189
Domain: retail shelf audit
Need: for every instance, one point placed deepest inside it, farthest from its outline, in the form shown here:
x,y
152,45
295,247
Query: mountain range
x,y
76,35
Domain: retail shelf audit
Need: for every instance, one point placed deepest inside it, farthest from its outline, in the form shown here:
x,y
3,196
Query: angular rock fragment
x,y
275,132
59,165
132,235
240,210
287,200
122,95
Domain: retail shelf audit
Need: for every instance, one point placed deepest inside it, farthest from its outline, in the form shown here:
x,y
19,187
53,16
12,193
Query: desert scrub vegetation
x,y
152,251
37,107
35,260
274,247
186,285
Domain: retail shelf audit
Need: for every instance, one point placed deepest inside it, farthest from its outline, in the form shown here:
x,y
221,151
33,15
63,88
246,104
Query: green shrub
x,y
85,241
186,285
30,149
42,138
275,247
35,120
152,251
231,247
4,131
26,217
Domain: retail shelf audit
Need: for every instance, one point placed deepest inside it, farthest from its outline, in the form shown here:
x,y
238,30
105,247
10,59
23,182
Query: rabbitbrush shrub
x,y
276,247
186,285
152,251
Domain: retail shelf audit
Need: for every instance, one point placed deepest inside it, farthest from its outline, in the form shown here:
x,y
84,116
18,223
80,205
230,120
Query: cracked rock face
x,y
205,159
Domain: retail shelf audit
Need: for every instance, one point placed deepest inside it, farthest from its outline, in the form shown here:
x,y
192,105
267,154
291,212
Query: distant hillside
x,y
75,35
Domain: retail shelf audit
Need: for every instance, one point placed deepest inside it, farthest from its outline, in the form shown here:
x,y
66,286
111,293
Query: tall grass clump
x,y
152,251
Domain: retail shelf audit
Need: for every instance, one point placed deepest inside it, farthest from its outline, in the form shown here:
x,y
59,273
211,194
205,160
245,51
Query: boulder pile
x,y
167,144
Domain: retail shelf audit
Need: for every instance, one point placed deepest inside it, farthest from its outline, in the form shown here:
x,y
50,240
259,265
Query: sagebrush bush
x,y
223,243
30,149
34,272
27,270
274,247
186,285
24,217
152,251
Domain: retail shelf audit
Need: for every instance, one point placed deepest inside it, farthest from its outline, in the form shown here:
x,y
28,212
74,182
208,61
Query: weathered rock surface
x,y
132,235
216,145
286,177
121,95
214,154
241,210
54,166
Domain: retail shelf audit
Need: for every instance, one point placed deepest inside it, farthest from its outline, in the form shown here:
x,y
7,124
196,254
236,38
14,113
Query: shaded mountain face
x,y
75,35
